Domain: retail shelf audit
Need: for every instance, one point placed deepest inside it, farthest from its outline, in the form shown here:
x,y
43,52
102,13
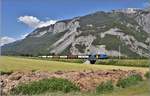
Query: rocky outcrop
x,y
59,27
128,10
143,18
68,37
85,41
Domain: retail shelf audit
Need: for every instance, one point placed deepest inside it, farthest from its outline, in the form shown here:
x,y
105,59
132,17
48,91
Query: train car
x,y
92,57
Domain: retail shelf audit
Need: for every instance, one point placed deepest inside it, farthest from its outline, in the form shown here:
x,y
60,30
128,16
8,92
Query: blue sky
x,y
41,11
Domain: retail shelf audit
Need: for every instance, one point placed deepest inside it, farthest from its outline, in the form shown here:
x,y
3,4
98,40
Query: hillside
x,y
99,32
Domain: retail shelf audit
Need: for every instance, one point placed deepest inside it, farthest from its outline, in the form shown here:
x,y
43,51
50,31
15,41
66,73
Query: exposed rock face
x,y
84,42
128,10
59,27
144,20
68,37
113,31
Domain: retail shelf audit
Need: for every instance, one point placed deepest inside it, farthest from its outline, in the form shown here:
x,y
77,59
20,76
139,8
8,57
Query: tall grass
x,y
105,87
129,81
46,85
147,75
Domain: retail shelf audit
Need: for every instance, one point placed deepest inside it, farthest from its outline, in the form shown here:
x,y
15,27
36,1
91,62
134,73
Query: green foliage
x,y
105,87
147,75
81,48
5,72
112,43
131,80
46,85
32,45
141,89
66,51
96,19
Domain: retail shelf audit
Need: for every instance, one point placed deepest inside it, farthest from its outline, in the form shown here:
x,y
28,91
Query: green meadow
x,y
22,64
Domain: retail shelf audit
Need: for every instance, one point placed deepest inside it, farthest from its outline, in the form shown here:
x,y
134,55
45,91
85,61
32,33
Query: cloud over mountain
x,y
34,22
6,40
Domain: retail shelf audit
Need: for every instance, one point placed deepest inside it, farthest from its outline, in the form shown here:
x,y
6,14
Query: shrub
x,y
51,85
3,72
147,75
131,80
105,87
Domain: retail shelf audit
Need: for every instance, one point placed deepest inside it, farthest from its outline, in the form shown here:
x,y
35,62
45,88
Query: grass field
x,y
116,62
20,64
126,62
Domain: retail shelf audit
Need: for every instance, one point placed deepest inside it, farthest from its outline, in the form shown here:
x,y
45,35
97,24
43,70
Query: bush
x,y
147,75
51,85
131,80
105,87
8,73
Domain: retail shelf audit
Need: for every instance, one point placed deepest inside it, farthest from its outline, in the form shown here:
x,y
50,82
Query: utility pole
x,y
119,52
139,56
119,48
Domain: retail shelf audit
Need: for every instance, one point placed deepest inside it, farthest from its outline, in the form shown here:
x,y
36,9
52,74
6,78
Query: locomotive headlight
x,y
97,56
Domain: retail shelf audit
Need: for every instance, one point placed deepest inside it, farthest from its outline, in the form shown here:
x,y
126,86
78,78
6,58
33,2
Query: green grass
x,y
129,81
9,64
147,75
62,60
141,89
116,62
126,62
46,85
105,87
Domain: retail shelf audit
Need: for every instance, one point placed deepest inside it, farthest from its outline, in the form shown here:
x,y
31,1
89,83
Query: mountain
x,y
122,32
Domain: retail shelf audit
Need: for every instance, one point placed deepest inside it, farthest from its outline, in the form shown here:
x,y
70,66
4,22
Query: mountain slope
x,y
100,32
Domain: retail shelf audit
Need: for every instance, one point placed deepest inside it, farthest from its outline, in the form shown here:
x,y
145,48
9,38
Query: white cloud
x,y
6,40
46,23
34,22
147,4
29,20
23,36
